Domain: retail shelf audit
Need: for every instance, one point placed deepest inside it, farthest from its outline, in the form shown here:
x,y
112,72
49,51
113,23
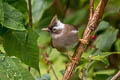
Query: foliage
x,y
11,69
22,46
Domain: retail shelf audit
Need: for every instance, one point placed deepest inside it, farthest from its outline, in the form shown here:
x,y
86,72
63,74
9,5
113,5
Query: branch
x,y
91,9
51,67
30,13
116,76
91,26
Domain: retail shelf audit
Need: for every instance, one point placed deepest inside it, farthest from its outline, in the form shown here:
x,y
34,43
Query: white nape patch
x,y
59,25
74,31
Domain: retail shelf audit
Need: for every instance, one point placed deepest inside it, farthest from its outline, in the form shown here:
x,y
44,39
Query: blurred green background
x,y
22,46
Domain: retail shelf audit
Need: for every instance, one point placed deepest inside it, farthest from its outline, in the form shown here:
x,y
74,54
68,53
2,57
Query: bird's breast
x,y
64,42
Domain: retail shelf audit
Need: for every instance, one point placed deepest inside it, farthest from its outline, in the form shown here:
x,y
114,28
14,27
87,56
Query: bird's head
x,y
55,27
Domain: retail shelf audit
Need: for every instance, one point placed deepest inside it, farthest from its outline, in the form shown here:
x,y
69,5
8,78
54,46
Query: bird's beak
x,y
45,29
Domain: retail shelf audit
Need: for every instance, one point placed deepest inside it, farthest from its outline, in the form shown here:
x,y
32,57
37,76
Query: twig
x,y
30,13
91,26
30,18
51,67
116,76
91,9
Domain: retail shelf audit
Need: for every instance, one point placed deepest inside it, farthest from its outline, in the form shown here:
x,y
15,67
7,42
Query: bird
x,y
64,37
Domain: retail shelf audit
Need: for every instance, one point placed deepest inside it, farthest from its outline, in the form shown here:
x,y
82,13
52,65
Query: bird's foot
x,y
83,41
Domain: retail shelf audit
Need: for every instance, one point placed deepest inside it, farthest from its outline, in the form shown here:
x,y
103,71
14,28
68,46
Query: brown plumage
x,y
64,36
67,41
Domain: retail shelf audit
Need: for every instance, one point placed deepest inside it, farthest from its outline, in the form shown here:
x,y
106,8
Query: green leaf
x,y
76,17
102,59
104,74
112,8
38,8
103,26
117,45
13,19
102,56
11,69
23,45
1,12
105,40
107,72
23,71
17,5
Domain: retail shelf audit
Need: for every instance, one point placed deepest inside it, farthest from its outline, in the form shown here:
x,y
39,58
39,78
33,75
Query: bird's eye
x,y
54,29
